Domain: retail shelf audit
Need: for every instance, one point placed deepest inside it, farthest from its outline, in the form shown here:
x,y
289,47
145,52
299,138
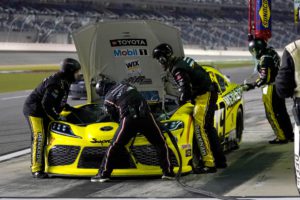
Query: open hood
x,y
123,50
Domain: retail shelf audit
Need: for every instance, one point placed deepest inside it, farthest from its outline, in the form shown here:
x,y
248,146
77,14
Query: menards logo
x,y
265,13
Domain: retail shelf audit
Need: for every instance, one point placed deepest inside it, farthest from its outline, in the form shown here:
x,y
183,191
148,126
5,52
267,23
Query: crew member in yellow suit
x,y
195,85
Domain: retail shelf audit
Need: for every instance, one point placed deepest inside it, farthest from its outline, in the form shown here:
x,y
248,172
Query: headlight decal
x,y
63,129
173,125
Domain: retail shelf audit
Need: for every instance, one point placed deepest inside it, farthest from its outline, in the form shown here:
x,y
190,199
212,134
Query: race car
x,y
76,146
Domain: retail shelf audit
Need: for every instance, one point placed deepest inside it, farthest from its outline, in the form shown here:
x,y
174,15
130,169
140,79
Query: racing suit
x,y
288,85
275,107
126,105
43,105
195,85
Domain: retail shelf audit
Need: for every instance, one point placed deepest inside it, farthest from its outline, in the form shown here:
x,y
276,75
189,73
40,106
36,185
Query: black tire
x,y
239,128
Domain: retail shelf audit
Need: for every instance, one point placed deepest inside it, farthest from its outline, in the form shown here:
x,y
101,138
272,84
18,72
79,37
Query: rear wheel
x,y
239,128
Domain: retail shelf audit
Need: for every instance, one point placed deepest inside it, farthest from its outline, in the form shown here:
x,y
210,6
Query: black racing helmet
x,y
162,53
257,47
69,67
103,86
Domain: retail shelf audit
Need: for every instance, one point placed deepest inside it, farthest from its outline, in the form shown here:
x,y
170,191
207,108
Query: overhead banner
x,y
296,10
263,25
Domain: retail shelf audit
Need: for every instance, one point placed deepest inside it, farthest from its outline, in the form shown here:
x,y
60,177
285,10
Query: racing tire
x,y
238,129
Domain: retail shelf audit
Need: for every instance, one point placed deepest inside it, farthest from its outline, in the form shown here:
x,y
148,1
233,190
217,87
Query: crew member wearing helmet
x,y
44,104
128,107
275,108
196,86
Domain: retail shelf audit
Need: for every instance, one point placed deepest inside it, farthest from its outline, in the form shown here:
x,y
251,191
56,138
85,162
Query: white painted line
x,y
16,97
15,154
202,198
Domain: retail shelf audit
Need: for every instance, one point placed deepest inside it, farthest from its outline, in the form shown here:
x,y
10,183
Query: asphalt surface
x,y
257,169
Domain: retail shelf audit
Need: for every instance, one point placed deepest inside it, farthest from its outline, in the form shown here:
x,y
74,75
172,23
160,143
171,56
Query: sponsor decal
x,y
188,153
133,68
130,52
132,64
199,140
94,140
140,80
233,97
297,170
263,14
186,146
128,42
39,147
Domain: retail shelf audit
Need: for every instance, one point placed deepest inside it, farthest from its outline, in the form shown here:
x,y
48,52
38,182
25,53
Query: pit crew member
x,y
127,106
195,86
288,85
44,104
275,108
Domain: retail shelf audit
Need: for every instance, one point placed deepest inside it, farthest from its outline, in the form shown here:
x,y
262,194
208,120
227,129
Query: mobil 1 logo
x,y
130,52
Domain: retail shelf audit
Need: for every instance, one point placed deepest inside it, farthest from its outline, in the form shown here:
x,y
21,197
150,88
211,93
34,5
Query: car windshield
x,y
88,114
94,113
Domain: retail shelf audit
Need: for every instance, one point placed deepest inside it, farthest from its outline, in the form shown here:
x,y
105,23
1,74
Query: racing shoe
x,y
207,170
221,165
277,141
99,178
168,176
39,174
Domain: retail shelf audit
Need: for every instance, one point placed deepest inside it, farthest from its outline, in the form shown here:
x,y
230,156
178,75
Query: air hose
x,y
178,175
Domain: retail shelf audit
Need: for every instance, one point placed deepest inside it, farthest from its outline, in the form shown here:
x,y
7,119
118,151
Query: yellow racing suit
x,y
196,86
275,107
41,106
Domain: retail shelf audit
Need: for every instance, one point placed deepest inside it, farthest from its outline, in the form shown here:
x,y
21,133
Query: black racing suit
x,y
126,105
43,105
275,107
195,85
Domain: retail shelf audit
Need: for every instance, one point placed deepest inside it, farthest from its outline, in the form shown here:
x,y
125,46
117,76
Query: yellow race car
x,y
122,50
77,146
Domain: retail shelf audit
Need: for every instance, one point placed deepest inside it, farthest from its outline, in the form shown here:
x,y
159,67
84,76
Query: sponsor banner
x,y
296,11
130,52
263,15
128,42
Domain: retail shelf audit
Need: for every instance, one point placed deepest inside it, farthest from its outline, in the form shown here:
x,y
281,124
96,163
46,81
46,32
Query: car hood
x,y
123,50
